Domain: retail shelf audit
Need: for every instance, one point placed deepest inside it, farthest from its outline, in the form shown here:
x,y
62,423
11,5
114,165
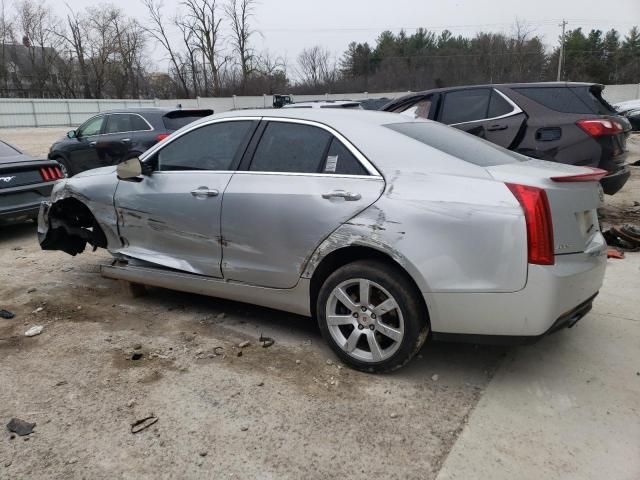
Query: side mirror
x,y
130,169
71,134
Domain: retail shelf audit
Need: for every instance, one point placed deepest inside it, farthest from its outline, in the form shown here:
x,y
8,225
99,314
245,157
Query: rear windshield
x,y
587,100
7,151
457,143
180,118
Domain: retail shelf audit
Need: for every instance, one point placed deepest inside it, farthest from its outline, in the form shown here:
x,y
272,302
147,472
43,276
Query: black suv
x,y
557,121
110,137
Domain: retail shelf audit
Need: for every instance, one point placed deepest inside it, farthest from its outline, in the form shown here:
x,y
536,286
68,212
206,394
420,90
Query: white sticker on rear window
x,y
332,163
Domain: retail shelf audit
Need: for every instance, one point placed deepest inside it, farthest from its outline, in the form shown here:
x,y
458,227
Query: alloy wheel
x,y
364,320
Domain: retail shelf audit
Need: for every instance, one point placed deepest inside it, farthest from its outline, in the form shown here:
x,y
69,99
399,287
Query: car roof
x,y
159,110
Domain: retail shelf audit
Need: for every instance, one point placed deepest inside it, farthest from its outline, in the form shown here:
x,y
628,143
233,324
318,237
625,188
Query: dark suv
x,y
116,135
562,122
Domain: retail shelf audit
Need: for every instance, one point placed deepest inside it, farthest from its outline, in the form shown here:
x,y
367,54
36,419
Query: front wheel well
x,y
71,227
343,256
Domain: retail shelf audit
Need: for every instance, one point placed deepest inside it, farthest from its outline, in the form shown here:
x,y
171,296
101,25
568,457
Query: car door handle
x,y
348,196
92,144
125,140
205,192
496,127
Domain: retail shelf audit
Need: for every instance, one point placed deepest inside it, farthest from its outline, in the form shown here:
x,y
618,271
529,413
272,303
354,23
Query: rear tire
x,y
370,314
64,166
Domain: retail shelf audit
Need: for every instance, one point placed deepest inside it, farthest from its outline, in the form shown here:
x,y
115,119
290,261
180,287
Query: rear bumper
x,y
22,203
613,182
554,296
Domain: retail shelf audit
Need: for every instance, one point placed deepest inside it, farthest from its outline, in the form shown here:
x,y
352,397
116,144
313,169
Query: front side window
x,y
291,147
465,106
91,127
211,147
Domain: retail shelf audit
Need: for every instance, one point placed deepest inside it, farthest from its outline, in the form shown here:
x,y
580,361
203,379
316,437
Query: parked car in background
x,y
558,121
382,227
630,110
326,104
24,183
112,136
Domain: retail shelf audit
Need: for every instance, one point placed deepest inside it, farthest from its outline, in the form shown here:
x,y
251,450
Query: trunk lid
x,y
573,204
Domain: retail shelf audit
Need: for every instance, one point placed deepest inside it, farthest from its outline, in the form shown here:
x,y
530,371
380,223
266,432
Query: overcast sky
x,y
288,26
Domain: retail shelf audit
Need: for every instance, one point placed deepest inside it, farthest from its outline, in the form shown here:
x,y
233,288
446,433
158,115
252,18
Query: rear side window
x,y
212,147
459,144
465,105
124,122
567,99
291,147
341,161
181,118
498,106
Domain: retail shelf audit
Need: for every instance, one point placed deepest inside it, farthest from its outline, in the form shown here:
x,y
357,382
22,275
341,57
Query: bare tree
x,y
6,36
187,28
75,39
158,31
239,13
206,21
315,66
38,26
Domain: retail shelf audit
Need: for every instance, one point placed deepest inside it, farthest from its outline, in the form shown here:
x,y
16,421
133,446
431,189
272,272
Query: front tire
x,y
370,314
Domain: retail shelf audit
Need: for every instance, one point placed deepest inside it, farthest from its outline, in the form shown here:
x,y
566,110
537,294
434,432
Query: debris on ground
x,y
266,341
394,415
33,331
615,253
244,344
136,356
239,354
38,310
143,423
20,427
435,377
244,429
7,314
31,289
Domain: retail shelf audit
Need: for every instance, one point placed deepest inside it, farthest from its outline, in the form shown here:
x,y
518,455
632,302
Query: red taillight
x,y
537,216
162,136
593,176
50,174
599,127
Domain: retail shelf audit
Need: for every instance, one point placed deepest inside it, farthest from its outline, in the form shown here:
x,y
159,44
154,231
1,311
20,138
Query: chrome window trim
x,y
364,161
105,114
516,110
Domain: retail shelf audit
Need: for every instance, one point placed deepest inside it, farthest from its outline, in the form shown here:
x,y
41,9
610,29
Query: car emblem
x,y
7,179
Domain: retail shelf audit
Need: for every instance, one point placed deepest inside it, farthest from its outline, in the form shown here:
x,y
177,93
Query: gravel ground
x,y
287,411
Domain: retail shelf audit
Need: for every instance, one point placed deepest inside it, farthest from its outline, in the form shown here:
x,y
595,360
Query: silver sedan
x,y
386,230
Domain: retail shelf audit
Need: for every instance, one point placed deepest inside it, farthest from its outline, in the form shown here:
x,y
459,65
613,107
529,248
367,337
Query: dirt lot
x,y
287,411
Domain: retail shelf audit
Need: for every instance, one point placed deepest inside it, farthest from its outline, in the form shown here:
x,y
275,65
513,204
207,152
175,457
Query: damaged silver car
x,y
386,230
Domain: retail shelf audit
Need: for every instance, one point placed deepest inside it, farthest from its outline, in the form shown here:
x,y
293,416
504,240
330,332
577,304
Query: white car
x,y
326,104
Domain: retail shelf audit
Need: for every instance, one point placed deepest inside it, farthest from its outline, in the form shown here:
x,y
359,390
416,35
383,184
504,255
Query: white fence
x,y
17,112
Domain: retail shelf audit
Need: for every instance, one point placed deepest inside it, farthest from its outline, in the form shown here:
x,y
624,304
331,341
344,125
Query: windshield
x,y
457,143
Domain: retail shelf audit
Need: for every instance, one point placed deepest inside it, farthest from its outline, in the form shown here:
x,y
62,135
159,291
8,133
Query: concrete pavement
x,y
567,407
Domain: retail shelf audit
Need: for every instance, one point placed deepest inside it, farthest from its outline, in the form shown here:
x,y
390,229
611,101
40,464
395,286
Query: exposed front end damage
x,y
68,225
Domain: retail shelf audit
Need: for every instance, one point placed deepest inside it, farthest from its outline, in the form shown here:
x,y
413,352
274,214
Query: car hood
x,y
18,157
